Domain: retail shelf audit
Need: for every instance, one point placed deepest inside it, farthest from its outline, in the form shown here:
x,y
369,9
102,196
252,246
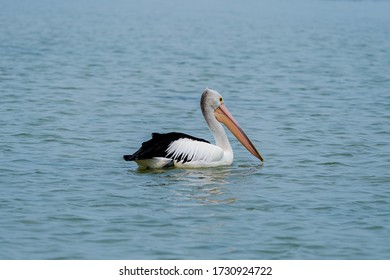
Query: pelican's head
x,y
211,99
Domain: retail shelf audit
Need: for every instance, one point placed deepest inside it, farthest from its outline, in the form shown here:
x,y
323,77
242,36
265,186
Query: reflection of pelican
x,y
204,186
185,151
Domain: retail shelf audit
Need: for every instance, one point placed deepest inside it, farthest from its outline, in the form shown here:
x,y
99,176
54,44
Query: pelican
x,y
184,151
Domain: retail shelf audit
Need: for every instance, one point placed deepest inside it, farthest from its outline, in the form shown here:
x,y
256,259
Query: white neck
x,y
217,130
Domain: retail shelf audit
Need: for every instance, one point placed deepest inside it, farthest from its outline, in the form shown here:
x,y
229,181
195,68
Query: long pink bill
x,y
223,115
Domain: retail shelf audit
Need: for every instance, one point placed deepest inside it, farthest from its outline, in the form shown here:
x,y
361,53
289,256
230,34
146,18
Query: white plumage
x,y
197,153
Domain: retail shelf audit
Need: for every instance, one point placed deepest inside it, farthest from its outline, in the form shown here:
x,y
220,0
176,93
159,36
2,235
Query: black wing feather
x,y
158,145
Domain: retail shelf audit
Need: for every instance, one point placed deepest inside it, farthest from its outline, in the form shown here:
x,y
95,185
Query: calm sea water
x,y
84,82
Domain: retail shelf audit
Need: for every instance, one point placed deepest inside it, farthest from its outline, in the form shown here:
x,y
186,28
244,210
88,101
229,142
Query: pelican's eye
x,y
220,99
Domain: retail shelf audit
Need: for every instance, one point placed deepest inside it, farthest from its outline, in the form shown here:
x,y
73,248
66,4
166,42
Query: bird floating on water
x,y
184,151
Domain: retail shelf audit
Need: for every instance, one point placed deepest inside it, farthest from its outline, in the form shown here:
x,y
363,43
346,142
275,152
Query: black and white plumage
x,y
164,146
182,150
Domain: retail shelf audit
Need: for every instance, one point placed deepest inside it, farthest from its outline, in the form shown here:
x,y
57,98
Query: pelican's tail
x,y
128,157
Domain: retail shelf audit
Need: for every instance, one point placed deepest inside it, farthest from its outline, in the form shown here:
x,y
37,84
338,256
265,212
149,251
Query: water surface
x,y
84,82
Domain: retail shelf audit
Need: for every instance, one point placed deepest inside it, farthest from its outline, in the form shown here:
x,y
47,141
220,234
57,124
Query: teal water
x,y
84,82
